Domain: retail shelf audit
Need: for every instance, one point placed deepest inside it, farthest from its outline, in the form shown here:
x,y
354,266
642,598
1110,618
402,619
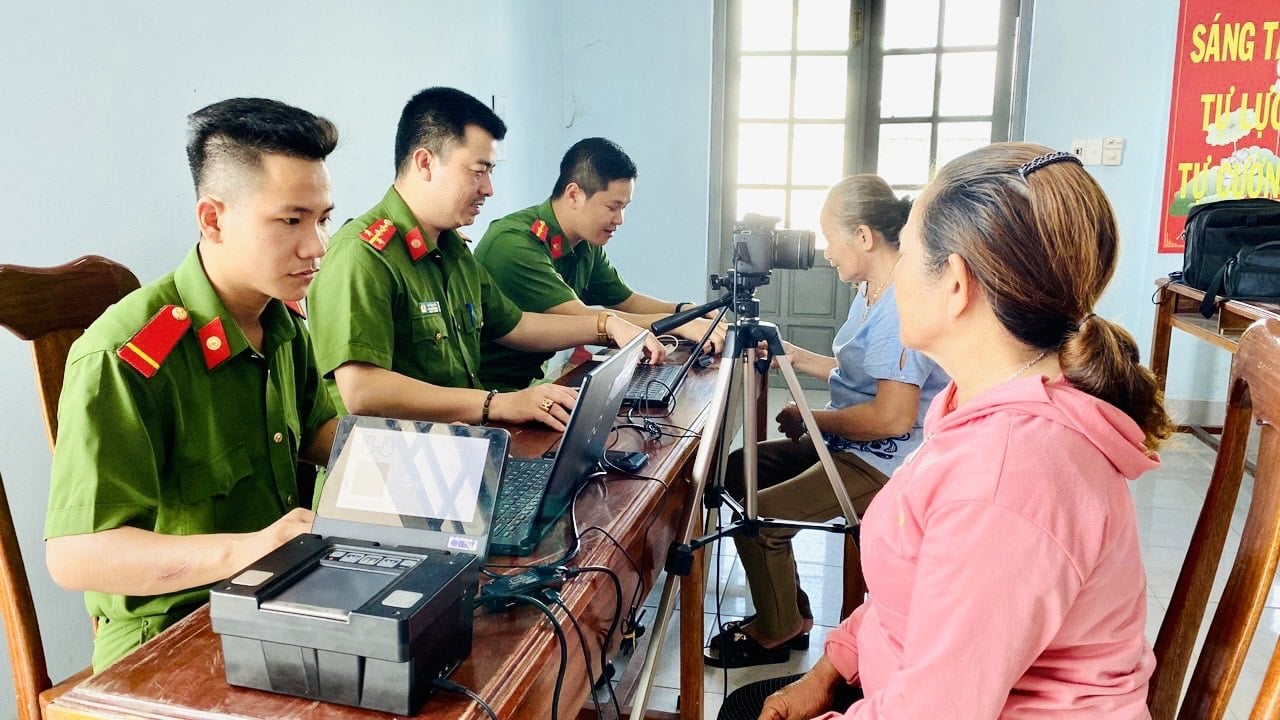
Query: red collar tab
x,y
295,307
147,350
379,233
416,243
557,247
539,230
213,343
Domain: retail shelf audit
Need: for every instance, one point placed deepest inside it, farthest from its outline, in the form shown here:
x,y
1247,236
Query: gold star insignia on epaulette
x,y
379,233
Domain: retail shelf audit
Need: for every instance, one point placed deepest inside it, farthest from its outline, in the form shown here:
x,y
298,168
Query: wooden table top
x,y
515,655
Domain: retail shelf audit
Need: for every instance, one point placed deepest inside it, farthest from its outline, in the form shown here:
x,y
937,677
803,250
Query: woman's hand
x,y
790,423
808,697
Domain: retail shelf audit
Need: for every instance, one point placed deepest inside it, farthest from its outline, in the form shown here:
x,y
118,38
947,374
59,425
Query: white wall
x,y
93,99
1119,82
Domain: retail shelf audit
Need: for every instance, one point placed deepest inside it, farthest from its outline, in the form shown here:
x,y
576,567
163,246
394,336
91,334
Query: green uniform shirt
x,y
421,318
191,450
520,257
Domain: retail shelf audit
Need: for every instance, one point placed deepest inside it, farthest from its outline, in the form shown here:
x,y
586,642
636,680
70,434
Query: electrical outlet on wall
x,y
1112,150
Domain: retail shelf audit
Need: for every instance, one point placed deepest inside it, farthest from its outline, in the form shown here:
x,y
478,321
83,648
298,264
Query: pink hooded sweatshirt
x,y
1004,568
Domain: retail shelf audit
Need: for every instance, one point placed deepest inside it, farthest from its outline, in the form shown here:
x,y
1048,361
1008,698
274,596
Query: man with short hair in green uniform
x,y
187,405
550,258
401,308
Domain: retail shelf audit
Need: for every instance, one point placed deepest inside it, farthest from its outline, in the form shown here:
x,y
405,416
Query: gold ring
x,y
546,404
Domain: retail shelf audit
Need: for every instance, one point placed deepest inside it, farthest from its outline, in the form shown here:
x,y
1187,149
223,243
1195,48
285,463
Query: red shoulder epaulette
x,y
295,306
556,244
379,233
146,350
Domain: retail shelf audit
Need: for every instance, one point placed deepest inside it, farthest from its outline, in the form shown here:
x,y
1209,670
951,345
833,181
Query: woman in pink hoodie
x,y
1002,558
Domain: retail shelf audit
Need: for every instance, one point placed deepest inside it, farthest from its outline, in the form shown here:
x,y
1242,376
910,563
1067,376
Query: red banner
x,y
1224,120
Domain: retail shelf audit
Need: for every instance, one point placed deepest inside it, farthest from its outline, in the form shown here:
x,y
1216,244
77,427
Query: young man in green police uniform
x,y
187,405
401,308
550,258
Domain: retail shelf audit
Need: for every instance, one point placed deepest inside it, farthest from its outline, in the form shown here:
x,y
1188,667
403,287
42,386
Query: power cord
x,y
560,636
451,686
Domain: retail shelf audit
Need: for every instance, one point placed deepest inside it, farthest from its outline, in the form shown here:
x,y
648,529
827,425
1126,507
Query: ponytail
x,y
1101,358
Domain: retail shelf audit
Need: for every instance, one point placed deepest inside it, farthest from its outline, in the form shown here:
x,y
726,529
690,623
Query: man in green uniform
x,y
187,405
550,258
401,308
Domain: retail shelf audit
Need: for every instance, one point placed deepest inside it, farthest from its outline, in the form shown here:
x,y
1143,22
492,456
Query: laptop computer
x,y
378,599
656,385
536,492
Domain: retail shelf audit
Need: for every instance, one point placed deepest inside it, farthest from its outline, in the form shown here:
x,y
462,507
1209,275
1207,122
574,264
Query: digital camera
x,y
758,247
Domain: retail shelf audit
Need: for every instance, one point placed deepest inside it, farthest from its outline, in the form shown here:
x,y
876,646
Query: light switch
x,y
1112,150
1077,148
1092,152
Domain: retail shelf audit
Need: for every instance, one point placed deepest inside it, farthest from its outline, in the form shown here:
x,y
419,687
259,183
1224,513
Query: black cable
x,y
451,686
564,646
586,653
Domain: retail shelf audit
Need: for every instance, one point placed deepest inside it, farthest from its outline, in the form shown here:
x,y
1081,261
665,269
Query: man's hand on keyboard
x,y
695,329
547,403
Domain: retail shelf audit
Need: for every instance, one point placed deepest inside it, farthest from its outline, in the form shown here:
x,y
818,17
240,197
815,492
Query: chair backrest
x,y
22,630
1254,394
51,307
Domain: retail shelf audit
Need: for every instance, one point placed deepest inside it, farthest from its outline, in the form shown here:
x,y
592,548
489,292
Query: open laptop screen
x,y
412,483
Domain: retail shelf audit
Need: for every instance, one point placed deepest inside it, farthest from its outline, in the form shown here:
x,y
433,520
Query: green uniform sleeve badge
x,y
379,233
146,350
213,343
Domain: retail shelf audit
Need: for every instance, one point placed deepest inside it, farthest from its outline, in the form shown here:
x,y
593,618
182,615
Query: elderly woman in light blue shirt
x,y
879,394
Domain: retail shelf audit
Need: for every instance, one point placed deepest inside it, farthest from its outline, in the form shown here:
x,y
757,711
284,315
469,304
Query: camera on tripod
x,y
758,247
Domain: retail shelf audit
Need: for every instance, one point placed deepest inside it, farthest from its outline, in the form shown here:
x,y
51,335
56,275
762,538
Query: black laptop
x,y
535,493
656,385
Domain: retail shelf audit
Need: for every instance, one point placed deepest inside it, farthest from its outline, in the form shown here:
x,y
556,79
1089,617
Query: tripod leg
x,y
693,521
815,435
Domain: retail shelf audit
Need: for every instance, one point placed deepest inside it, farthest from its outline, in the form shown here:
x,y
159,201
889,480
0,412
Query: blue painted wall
x,y
1119,82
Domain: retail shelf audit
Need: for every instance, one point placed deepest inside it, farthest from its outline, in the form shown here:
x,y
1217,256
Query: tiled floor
x,y
1167,501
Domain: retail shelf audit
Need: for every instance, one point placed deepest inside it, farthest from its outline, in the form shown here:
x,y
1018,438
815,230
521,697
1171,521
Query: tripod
x,y
741,360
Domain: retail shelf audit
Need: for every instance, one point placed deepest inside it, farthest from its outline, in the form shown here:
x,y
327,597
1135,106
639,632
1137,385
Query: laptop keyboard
x,y
523,485
652,382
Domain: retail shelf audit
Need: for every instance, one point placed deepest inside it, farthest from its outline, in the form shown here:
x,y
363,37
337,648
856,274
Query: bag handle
x,y
1211,294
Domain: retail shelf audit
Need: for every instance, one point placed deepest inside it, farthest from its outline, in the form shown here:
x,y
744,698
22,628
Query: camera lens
x,y
793,249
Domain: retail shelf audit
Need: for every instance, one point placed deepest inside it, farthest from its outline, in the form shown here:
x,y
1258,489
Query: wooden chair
x,y
31,684
1254,394
51,307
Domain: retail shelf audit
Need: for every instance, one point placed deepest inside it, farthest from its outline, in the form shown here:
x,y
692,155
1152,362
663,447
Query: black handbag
x,y
1252,274
1215,231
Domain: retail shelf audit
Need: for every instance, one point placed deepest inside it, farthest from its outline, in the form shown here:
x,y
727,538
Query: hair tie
x,y
1035,164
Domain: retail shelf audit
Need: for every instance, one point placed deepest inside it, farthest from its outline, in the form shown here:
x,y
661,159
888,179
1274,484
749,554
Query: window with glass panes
x,y
818,89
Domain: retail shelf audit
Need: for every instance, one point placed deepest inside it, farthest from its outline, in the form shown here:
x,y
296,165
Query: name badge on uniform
x,y
429,307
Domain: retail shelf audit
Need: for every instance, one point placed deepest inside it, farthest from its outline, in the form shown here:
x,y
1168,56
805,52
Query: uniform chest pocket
x,y
429,328
215,478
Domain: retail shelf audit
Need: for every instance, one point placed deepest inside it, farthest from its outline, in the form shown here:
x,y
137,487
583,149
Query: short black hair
x,y
593,163
437,118
240,131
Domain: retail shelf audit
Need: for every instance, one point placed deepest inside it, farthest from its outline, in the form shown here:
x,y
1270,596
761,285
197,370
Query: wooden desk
x,y
515,654
1178,306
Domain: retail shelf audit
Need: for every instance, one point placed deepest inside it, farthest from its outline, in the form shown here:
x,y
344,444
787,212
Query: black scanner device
x,y
377,603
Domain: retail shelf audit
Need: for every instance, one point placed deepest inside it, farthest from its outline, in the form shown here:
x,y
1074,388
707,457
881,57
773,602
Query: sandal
x,y
799,642
736,649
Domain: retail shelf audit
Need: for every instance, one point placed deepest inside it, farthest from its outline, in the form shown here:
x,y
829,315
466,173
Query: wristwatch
x,y
602,333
